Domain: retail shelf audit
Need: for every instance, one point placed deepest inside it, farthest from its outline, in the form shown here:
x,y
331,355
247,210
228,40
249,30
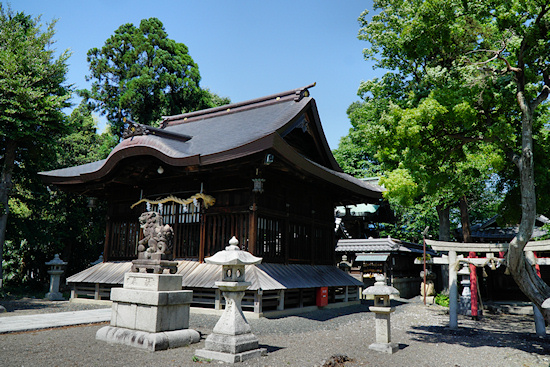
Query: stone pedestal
x,y
55,280
150,312
383,330
232,340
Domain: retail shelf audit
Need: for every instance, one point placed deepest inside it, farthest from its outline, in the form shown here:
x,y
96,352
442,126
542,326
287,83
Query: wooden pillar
x,y
346,294
253,226
202,236
258,297
453,291
107,246
96,293
281,303
286,232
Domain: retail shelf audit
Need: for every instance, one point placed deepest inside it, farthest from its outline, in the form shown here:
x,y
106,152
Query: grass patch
x,y
442,299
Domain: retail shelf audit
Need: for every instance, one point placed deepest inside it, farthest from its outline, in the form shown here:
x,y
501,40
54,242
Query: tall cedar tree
x,y
141,74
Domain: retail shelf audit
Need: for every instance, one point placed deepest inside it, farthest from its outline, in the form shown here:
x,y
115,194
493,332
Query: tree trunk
x,y
5,187
523,273
444,222
465,220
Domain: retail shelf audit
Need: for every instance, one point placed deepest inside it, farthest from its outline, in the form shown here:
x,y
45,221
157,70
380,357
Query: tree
x,y
520,48
142,74
32,96
496,55
44,220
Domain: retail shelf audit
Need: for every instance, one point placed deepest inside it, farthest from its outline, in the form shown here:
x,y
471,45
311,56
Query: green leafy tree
x,y
141,74
474,75
44,220
83,144
32,95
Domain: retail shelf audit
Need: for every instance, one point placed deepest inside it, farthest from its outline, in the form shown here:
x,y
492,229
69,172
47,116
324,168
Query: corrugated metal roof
x,y
262,276
372,257
307,276
108,273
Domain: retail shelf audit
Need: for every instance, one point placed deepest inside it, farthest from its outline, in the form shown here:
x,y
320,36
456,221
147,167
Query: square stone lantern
x,y
57,268
232,340
382,310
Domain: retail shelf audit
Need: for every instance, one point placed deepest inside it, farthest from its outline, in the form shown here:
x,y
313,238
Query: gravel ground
x,y
309,339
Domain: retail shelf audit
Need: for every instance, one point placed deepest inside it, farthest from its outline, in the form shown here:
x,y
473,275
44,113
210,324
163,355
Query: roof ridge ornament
x,y
303,92
135,129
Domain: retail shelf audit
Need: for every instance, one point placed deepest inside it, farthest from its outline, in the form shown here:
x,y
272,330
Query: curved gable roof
x,y
222,134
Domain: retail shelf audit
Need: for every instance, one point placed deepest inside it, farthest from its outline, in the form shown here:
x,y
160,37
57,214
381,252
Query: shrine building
x,y
260,170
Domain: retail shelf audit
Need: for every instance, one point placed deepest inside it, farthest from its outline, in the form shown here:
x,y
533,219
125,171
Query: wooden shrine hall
x,y
260,170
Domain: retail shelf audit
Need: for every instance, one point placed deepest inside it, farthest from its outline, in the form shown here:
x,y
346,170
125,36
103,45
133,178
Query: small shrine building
x,y
260,170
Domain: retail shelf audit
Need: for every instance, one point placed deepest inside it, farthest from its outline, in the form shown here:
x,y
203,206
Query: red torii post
x,y
473,287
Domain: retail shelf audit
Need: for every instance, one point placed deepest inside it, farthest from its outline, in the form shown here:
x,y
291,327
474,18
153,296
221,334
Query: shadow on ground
x,y
26,303
497,331
326,314
270,348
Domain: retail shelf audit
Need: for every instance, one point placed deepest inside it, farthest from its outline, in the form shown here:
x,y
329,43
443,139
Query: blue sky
x,y
244,49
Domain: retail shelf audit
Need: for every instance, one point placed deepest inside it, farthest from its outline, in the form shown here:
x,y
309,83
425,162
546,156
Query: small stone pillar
x,y
232,340
57,268
382,311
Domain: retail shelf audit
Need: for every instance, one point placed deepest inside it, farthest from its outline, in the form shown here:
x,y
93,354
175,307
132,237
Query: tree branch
x,y
543,95
497,56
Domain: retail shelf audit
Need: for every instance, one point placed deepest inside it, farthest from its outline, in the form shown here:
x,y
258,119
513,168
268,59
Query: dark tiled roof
x,y
222,134
379,245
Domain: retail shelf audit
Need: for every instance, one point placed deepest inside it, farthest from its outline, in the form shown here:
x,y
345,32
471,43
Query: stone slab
x,y
382,309
231,344
231,358
149,341
55,296
44,321
153,282
153,298
152,319
389,348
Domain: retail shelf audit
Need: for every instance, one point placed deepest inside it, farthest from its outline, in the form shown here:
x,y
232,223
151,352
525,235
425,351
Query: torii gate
x,y
489,249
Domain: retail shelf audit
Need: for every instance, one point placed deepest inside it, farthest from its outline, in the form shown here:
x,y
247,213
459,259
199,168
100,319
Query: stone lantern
x,y
465,305
232,340
382,310
57,268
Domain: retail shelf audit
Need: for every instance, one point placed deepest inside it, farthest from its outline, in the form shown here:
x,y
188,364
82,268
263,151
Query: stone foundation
x,y
151,312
